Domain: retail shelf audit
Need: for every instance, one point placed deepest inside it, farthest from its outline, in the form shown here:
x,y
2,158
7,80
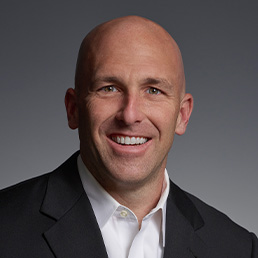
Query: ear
x,y
186,107
71,108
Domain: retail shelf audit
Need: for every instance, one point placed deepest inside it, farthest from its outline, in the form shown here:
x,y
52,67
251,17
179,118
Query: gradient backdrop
x,y
217,157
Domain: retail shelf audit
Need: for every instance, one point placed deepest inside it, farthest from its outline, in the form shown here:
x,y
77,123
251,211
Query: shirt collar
x,y
104,205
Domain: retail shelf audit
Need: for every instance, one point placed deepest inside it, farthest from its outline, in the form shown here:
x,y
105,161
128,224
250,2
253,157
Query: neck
x,y
140,200
139,196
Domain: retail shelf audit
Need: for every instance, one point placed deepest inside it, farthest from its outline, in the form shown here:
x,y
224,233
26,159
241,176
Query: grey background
x,y
216,159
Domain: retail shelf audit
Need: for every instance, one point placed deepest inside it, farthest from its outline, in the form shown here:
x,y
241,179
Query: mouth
x,y
128,140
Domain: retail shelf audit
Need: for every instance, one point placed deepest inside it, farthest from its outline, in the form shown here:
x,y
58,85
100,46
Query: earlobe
x,y
71,108
185,111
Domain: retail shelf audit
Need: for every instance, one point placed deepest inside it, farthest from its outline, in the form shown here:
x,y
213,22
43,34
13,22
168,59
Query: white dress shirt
x,y
119,225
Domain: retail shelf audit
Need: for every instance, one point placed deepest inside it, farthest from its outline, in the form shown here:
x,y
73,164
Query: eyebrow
x,y
111,79
146,81
156,81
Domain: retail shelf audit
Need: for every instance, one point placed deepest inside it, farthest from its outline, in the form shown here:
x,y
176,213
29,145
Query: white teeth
x,y
133,140
129,140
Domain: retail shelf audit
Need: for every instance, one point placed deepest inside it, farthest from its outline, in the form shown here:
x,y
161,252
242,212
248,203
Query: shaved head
x,y
130,33
129,84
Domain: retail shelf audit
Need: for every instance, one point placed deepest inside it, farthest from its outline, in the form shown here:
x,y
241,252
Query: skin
x,y
129,82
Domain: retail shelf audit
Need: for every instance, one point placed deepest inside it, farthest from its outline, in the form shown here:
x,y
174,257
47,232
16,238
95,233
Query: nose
x,y
131,110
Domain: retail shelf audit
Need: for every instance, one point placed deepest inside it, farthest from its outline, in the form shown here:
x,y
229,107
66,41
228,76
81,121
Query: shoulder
x,y
215,230
213,217
35,188
24,190
220,229
20,204
21,223
22,212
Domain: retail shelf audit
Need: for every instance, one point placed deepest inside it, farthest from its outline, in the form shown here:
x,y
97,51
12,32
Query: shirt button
x,y
123,213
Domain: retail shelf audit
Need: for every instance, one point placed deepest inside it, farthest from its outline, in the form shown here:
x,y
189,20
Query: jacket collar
x,y
75,231
182,224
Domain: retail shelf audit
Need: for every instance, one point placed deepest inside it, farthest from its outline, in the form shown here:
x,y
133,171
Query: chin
x,y
130,175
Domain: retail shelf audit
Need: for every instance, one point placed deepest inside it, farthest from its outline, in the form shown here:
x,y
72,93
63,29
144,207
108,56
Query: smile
x,y
126,140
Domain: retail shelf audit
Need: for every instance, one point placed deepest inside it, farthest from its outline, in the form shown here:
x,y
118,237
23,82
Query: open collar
x,y
104,205
75,231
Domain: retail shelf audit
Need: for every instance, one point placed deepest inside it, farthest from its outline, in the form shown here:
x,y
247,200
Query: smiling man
x,y
114,197
128,102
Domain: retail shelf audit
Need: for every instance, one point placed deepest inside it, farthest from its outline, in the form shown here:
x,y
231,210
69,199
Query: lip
x,y
129,150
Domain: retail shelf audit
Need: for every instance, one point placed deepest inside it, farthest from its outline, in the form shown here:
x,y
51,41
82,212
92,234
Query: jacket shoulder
x,y
34,188
23,191
220,229
214,218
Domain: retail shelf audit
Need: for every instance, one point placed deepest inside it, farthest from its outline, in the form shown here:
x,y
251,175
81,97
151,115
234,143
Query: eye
x,y
109,89
153,91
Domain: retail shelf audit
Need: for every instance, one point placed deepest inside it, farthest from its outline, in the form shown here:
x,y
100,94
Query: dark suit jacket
x,y
51,216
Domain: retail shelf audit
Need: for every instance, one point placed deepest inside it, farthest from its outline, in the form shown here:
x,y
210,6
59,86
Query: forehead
x,y
139,70
142,56
129,48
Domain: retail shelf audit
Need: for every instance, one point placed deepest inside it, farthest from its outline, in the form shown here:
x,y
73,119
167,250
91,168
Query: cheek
x,y
98,112
164,118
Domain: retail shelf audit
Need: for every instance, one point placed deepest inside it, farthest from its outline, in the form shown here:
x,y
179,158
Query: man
x,y
113,198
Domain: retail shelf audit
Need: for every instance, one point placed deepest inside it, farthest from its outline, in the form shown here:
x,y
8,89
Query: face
x,y
128,112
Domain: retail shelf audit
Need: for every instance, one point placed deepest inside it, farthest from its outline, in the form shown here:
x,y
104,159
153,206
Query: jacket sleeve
x,y
254,246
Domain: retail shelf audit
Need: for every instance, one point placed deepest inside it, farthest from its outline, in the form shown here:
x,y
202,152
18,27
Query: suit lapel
x,y
182,222
75,232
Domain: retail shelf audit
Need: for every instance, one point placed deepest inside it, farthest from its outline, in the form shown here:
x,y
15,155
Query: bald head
x,y
127,35
129,85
